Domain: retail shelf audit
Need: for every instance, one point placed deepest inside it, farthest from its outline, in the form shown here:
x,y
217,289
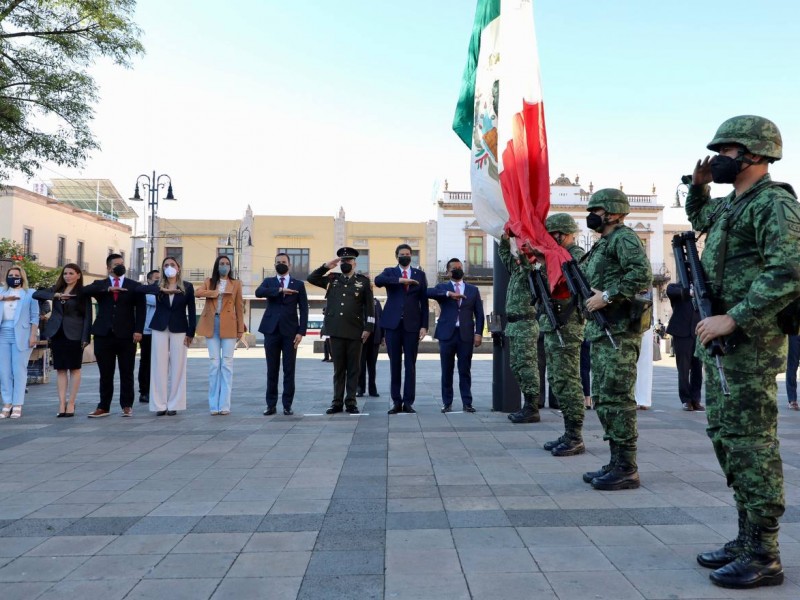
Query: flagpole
x,y
505,389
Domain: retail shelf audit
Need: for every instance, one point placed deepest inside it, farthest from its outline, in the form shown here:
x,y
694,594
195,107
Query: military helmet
x,y
561,223
613,201
757,134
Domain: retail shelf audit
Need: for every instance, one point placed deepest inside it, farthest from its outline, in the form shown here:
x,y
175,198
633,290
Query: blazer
x,y
685,318
283,309
179,316
120,318
231,315
74,316
26,315
406,306
376,337
469,315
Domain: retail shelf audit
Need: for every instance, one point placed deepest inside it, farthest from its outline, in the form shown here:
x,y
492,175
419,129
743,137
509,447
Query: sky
x,y
304,106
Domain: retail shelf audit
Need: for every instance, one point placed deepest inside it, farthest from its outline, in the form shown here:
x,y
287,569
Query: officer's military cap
x,y
347,252
561,223
611,200
759,135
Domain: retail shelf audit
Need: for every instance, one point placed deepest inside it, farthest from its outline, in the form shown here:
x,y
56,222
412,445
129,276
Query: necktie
x,y
116,285
283,282
405,276
458,291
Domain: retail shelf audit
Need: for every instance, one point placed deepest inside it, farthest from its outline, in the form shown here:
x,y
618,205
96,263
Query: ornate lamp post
x,y
238,238
151,186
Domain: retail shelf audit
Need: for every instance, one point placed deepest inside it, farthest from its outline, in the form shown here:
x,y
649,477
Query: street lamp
x,y
151,186
681,193
240,236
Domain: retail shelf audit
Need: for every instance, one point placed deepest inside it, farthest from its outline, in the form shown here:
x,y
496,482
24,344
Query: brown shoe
x,y
127,411
98,413
699,407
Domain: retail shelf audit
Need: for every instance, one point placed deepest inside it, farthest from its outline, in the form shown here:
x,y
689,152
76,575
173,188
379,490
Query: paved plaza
x,y
425,506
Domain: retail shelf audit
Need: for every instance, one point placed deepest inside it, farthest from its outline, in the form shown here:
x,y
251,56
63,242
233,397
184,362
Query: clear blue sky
x,y
300,107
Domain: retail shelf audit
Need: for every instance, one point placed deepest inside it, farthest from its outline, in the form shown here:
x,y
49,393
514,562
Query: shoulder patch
x,y
789,217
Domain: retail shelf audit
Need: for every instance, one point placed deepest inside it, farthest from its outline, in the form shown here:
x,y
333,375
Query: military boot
x,y
553,443
759,565
623,476
571,446
728,553
529,412
588,477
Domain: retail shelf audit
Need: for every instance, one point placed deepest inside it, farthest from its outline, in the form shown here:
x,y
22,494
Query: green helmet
x,y
561,223
613,201
757,134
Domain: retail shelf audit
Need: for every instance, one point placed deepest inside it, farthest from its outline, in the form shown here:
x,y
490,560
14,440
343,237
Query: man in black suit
x,y
117,329
682,327
369,356
282,329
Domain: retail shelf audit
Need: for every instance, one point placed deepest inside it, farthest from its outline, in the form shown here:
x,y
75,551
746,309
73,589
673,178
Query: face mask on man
x,y
725,169
118,270
346,267
594,222
170,271
404,260
457,274
282,268
13,281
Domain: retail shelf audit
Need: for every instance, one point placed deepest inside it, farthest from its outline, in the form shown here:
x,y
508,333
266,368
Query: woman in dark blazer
x,y
173,327
67,330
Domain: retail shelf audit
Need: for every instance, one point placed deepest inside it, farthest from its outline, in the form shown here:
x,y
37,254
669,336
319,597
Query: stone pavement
x,y
425,506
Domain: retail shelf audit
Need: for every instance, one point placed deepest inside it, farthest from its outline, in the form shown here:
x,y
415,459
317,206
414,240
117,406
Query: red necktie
x,y
405,276
116,285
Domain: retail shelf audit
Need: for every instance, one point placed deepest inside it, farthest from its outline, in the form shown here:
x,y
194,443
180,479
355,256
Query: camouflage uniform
x,y
564,363
617,264
522,329
752,263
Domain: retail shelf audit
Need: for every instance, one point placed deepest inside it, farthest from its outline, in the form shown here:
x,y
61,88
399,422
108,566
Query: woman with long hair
x,y
222,324
19,329
67,330
173,326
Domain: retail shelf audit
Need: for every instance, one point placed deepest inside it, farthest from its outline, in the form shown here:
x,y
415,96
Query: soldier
x,y
349,319
564,363
750,259
617,268
522,331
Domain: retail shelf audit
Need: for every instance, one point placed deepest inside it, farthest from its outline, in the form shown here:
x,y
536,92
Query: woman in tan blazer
x,y
222,324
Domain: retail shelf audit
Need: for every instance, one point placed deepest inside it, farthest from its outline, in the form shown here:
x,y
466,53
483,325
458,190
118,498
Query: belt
x,y
518,318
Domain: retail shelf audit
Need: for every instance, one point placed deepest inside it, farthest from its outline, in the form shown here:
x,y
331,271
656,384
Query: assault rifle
x,y
580,288
692,277
541,294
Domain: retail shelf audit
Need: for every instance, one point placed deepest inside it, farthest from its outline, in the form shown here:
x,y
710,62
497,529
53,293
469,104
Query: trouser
x,y
456,352
346,354
564,373
402,347
522,337
586,367
168,371
690,370
144,363
13,368
220,373
792,362
111,351
743,428
275,345
369,359
544,379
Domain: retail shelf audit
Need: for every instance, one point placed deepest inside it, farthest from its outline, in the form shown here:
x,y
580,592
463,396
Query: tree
x,y
46,92
38,276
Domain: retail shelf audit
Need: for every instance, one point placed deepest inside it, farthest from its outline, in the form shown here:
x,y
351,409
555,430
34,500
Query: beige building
x,y
58,233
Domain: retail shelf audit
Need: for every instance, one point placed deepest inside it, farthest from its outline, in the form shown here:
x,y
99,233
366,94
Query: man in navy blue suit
x,y
405,323
283,325
459,330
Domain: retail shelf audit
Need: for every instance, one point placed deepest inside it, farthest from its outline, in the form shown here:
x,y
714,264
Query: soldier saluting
x,y
349,319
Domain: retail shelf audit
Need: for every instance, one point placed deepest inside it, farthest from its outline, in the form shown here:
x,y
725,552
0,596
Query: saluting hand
x,y
112,289
406,280
702,172
332,263
455,296
288,291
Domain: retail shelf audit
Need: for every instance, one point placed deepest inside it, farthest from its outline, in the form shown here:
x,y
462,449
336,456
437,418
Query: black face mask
x,y
346,267
595,222
725,169
282,269
457,274
404,261
13,281
118,270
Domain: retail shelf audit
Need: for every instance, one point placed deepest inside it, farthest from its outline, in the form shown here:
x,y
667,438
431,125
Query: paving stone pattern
x,y
424,506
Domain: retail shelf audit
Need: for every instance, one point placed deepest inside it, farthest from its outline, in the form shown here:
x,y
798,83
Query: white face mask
x,y
170,271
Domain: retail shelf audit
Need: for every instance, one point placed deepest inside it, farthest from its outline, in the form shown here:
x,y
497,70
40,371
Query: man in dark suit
x,y
405,323
682,327
117,329
284,324
349,319
369,356
459,330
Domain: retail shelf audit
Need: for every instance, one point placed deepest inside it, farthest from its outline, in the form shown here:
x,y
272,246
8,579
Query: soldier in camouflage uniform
x,y
522,331
751,260
564,363
617,269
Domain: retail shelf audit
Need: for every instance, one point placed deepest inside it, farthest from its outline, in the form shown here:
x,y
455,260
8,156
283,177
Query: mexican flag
x,y
500,117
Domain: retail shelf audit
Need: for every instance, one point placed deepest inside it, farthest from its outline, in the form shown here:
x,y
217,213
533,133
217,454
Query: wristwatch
x,y
605,297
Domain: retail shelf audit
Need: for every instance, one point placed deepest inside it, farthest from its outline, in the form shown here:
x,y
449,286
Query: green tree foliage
x,y
38,276
46,92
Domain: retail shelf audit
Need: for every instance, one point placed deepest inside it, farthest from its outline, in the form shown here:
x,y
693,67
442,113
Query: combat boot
x,y
623,476
591,475
553,443
728,553
529,412
759,565
572,441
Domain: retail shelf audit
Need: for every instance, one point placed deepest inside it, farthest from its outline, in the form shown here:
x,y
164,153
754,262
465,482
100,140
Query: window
x,y
140,266
415,257
475,250
362,262
79,255
176,252
61,250
226,252
27,241
299,257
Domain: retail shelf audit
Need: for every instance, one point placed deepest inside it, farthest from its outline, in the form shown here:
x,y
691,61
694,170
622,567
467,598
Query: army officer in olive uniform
x,y
349,319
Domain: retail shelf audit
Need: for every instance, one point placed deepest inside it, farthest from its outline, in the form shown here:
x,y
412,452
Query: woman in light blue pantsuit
x,y
19,328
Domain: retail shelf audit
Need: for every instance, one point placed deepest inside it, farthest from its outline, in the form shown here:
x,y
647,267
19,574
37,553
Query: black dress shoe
x,y
469,409
270,411
172,413
687,406
397,408
61,415
407,408
161,413
359,394
353,410
144,398
288,412
447,408
335,408
374,395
